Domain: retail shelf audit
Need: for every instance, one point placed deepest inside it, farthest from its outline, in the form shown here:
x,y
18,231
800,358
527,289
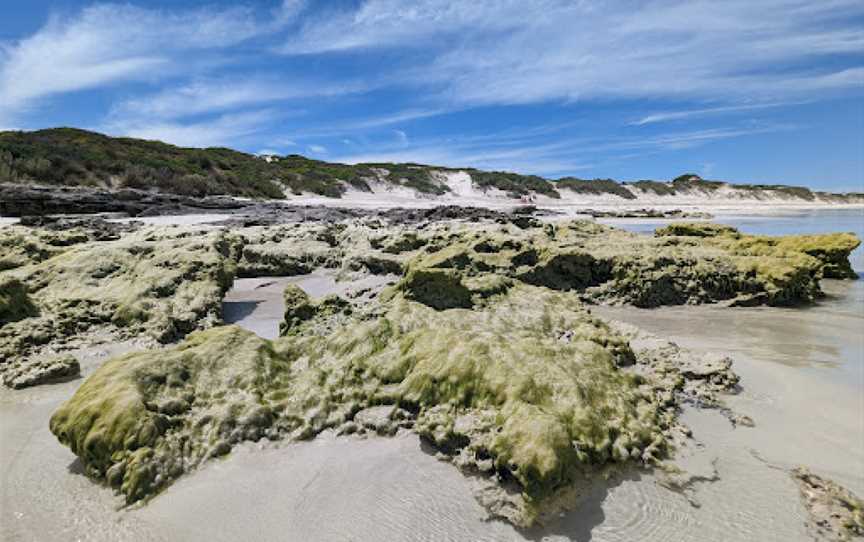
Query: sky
x,y
770,91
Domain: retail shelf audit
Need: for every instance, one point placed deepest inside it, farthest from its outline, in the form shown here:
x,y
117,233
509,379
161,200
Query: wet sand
x,y
256,303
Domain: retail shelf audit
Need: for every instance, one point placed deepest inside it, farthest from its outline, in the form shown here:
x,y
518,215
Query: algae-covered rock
x,y
835,513
437,288
831,251
283,255
697,229
704,264
41,370
298,308
15,304
143,419
159,284
302,314
537,378
20,246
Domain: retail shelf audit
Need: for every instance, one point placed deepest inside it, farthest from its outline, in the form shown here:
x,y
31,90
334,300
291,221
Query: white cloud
x,y
506,53
108,43
401,137
692,113
317,149
224,130
210,95
531,154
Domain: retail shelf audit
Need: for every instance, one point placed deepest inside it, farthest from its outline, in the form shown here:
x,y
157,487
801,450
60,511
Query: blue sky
x,y
767,91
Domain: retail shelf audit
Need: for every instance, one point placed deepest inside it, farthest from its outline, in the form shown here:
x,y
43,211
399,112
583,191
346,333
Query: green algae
x,y
539,374
484,347
834,512
15,303
779,259
20,246
685,264
157,285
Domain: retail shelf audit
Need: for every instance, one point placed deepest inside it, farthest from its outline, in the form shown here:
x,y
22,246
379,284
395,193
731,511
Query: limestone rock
x,y
41,371
835,513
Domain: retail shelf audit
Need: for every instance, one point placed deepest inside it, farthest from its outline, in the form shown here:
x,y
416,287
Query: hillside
x,y
73,157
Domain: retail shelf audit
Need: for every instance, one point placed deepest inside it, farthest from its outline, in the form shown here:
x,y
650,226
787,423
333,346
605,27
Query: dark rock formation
x,y
22,200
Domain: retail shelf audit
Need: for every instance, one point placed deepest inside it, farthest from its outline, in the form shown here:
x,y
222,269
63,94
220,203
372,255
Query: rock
x,y
835,514
298,308
303,314
645,213
484,347
95,228
383,420
20,200
437,288
830,252
41,371
158,284
490,384
15,303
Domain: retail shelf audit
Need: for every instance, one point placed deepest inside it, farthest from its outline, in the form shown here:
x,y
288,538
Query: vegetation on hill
x,y
799,192
67,156
595,187
657,187
513,183
73,157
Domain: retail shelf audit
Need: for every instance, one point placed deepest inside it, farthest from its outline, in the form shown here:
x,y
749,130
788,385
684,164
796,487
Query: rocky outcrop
x,y
15,303
612,266
41,371
86,278
484,347
25,200
830,252
645,213
154,284
835,514
529,388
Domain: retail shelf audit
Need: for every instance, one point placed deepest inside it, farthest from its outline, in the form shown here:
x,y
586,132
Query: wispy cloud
x,y
538,155
108,43
503,53
692,113
223,130
214,95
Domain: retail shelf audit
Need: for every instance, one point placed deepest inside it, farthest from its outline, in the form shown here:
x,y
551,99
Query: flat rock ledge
x,y
42,371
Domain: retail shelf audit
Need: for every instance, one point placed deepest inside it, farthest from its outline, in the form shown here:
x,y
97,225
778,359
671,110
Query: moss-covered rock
x,y
157,284
684,264
834,512
697,229
20,246
437,288
298,308
15,304
777,259
41,370
537,378
283,256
